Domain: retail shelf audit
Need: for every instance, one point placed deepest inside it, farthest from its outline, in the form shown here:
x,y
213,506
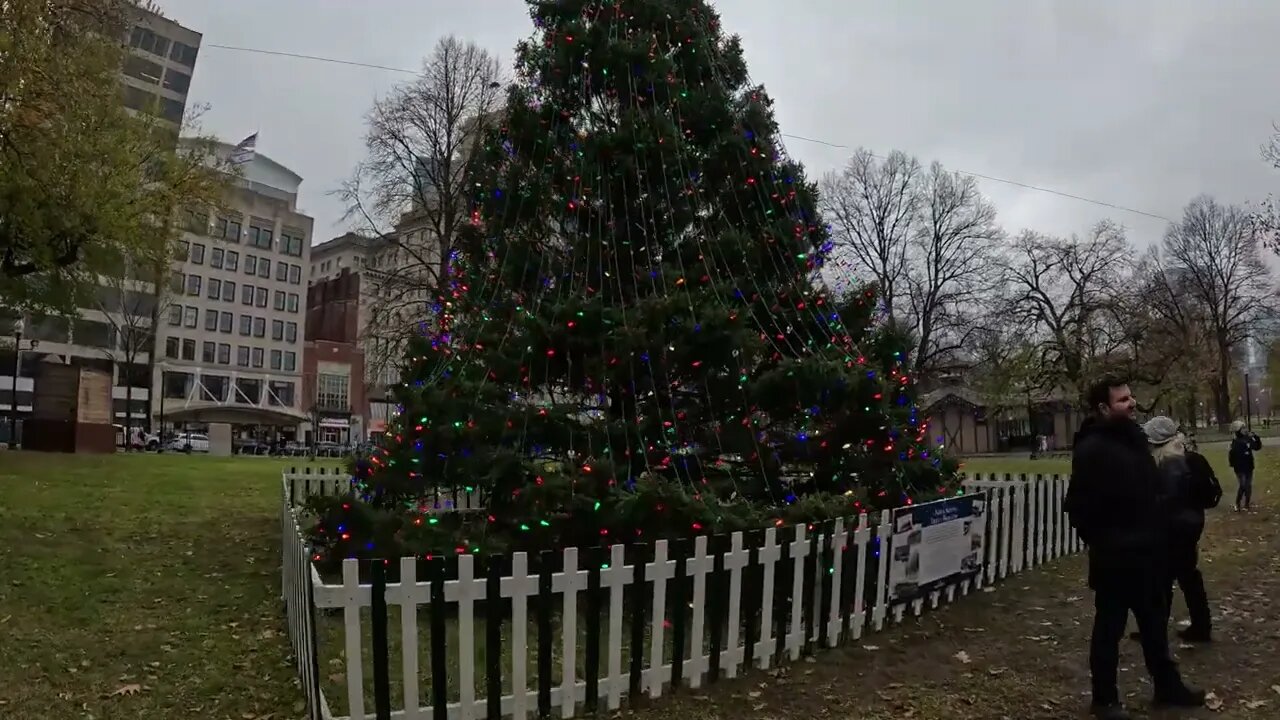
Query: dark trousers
x,y
1184,564
1244,488
1114,598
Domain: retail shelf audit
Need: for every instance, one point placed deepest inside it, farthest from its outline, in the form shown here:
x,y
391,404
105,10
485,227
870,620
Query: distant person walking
x,y
1112,502
1244,444
1187,487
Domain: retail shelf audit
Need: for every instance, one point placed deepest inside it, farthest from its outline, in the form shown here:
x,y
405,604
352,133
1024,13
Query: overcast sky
x,y
1139,103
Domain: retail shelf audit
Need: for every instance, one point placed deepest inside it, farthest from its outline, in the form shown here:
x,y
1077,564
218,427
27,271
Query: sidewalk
x,y
1018,651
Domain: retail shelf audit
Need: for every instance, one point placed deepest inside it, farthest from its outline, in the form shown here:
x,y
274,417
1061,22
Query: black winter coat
x,y
1181,513
1112,501
1240,456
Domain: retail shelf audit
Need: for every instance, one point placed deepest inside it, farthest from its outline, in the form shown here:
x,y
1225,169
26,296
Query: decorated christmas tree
x,y
637,340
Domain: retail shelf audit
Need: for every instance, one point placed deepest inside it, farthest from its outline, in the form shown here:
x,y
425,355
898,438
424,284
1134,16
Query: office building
x,y
333,361
157,72
231,328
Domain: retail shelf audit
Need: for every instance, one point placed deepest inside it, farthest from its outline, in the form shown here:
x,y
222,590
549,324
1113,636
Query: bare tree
x,y
1214,252
409,193
873,208
1066,293
131,303
951,266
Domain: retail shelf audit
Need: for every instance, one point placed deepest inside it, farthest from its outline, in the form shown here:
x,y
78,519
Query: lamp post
x,y
18,327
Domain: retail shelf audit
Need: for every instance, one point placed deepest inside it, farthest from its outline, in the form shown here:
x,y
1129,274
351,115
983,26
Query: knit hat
x,y
1237,426
1160,430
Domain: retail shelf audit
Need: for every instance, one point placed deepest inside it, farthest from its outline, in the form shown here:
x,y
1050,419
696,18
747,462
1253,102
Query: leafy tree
x,y
635,343
85,182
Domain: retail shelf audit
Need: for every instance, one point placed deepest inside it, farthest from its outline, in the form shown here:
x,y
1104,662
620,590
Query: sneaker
x,y
1194,634
1109,711
1179,695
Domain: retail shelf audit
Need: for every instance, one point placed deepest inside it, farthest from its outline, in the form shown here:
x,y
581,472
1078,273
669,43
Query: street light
x,y
18,327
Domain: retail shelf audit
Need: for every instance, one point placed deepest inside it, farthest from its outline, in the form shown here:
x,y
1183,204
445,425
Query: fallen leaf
x,y
963,657
130,689
1254,704
871,647
1213,702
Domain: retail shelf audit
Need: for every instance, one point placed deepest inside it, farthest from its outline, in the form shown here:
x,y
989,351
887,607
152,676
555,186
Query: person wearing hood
x,y
1240,457
1112,502
1183,494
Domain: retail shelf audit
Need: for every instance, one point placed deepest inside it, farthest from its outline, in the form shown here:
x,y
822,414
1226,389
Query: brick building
x,y
333,365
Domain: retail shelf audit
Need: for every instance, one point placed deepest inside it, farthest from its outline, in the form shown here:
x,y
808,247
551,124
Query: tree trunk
x,y
1222,389
128,413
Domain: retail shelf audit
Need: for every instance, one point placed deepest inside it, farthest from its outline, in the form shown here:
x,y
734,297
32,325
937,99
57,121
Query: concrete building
x,y
231,327
157,73
333,362
105,335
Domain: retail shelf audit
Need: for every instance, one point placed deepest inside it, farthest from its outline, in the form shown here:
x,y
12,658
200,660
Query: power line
x,y
816,141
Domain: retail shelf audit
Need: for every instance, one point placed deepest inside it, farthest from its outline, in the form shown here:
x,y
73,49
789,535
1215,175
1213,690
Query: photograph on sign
x,y
936,544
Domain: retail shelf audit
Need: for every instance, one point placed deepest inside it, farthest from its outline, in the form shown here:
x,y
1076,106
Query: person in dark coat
x,y
1112,502
1244,444
1184,493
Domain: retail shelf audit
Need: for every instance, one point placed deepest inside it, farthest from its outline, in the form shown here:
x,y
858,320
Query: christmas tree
x,y
637,341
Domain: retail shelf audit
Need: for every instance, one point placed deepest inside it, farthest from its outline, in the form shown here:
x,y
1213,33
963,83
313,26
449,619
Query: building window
x,y
331,391
260,297
260,237
197,254
175,315
145,39
248,390
171,110
279,300
176,384
250,264
183,251
213,388
211,320
293,302
188,349
224,322
291,242
242,356
139,99
277,359
183,54
215,288
190,316
277,330
291,332
259,327
193,285
280,393
264,268
176,282
176,81
290,361
282,271
171,346
246,325
295,274
228,291
257,357
246,295
233,260
215,258
224,354
143,69
208,352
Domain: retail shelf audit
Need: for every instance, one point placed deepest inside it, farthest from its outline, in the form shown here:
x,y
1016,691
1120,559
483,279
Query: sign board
x,y
936,544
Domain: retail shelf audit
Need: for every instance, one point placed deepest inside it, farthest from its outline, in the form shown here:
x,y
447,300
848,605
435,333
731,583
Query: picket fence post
x,y
734,562
698,567
839,538
882,570
769,555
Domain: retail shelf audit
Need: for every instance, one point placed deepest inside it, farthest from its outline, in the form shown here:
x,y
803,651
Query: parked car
x,y
189,443
141,440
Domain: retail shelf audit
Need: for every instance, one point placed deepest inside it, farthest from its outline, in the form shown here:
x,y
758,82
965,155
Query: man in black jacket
x,y
1112,504
1244,443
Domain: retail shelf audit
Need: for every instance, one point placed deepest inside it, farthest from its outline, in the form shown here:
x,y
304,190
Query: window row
x,y
225,290
161,46
188,316
259,234
221,259
220,388
152,72
220,354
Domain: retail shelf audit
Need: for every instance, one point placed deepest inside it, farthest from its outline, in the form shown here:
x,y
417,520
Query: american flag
x,y
245,151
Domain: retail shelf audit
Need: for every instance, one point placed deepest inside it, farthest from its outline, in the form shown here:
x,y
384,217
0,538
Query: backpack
x,y
1206,491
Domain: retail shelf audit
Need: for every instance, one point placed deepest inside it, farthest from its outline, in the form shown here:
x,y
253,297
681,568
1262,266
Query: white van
x,y
189,443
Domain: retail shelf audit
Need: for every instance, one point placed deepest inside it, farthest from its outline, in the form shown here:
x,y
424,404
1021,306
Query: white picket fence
x,y
815,603
336,481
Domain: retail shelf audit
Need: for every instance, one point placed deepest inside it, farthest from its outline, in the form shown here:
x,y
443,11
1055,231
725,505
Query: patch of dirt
x,y
1019,651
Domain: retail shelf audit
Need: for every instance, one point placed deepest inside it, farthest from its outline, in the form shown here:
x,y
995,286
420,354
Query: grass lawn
x,y
147,587
141,586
